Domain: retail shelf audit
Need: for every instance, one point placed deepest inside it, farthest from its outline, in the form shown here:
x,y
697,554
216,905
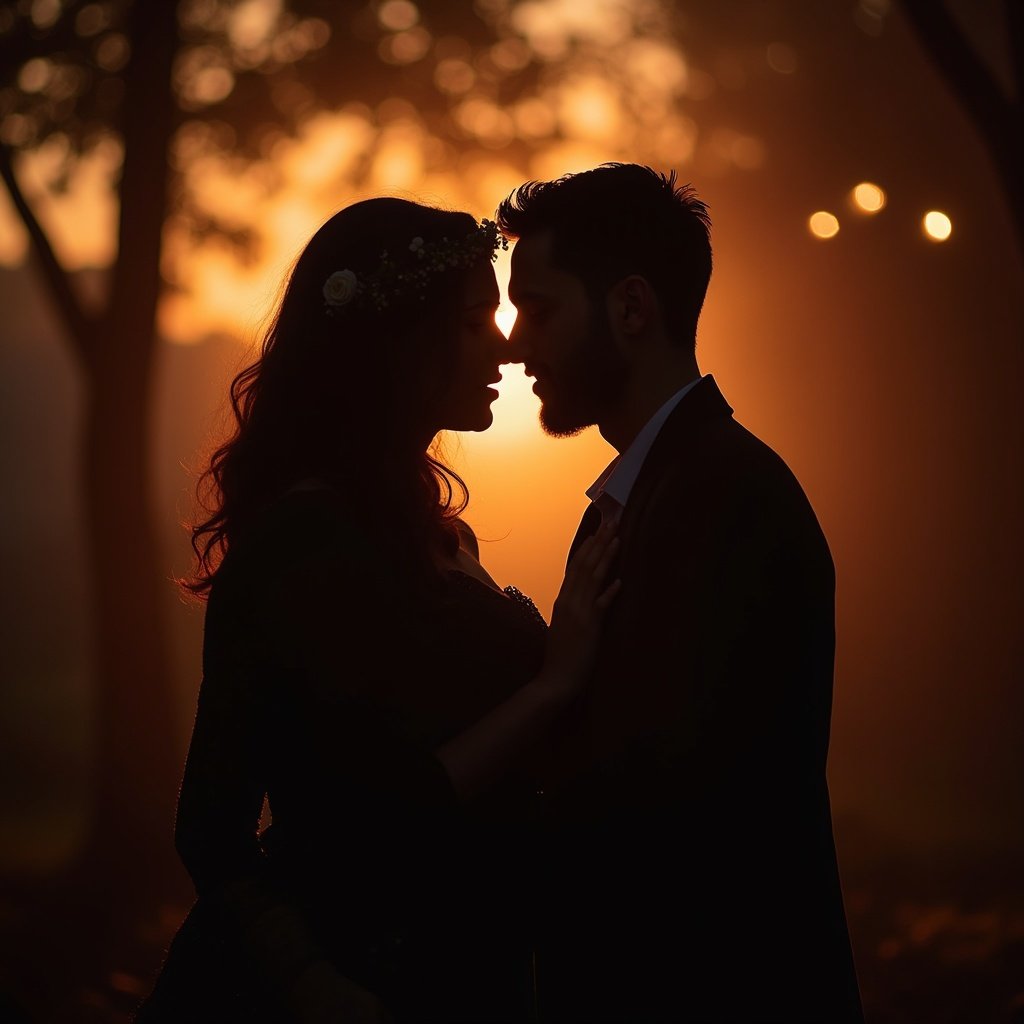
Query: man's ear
x,y
632,306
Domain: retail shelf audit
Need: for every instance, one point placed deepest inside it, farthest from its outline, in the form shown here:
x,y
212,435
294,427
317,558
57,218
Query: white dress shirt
x,y
612,488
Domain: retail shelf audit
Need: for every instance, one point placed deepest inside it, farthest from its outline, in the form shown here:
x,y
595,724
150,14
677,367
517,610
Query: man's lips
x,y
538,382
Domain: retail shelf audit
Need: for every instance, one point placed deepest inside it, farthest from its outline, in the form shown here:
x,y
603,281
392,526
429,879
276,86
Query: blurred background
x,y
863,163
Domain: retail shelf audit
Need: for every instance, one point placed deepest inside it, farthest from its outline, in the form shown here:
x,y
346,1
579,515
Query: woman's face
x,y
465,404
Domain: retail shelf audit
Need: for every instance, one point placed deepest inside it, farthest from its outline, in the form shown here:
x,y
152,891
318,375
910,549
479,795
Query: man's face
x,y
564,341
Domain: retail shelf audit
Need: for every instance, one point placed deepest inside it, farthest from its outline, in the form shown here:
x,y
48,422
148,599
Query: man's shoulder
x,y
726,455
724,473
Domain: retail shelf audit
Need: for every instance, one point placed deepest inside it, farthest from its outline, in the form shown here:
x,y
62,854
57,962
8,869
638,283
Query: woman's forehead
x,y
481,286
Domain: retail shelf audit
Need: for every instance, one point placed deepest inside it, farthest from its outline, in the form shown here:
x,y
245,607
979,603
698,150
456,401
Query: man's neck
x,y
646,392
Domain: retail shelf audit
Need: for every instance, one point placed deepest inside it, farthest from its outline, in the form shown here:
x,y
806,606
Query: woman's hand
x,y
578,613
486,751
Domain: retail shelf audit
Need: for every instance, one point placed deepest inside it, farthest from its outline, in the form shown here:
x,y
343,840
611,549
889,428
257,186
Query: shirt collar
x,y
617,479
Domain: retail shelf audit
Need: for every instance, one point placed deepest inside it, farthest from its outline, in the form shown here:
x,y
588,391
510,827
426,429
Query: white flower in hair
x,y
340,288
398,278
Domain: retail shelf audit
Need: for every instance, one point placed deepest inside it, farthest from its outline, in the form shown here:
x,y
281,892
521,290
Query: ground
x,y
934,943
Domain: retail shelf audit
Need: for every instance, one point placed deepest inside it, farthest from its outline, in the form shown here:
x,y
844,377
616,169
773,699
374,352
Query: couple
x,y
478,817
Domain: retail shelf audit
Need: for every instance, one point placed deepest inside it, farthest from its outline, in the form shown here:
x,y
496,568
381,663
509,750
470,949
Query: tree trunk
x,y
138,761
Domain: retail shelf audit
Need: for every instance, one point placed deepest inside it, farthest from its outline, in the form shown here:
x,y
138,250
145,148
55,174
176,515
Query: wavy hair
x,y
344,397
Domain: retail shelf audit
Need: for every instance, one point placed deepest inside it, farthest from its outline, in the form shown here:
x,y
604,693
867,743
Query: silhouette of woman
x,y
360,667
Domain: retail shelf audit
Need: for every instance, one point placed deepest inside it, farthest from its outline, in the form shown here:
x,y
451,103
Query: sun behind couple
x,y
477,816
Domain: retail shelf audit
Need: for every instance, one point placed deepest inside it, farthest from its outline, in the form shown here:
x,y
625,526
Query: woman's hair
x,y
342,394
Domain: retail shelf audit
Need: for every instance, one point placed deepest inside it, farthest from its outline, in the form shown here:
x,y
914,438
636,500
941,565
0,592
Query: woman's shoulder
x,y
303,524
467,538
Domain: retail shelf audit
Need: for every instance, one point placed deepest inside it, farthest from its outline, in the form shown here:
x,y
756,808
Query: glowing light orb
x,y
937,226
823,224
868,197
398,15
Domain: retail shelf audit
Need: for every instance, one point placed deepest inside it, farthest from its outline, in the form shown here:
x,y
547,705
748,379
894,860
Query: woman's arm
x,y
216,835
485,752
238,726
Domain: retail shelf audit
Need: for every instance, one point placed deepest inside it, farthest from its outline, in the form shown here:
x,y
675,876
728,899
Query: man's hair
x,y
620,219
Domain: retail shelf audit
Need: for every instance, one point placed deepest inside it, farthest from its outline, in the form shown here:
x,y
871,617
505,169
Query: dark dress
x,y
328,682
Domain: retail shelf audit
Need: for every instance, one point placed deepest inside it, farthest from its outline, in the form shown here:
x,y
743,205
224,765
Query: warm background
x,y
883,364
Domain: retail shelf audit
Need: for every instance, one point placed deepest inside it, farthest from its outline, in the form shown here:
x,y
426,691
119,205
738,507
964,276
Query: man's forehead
x,y
532,268
533,251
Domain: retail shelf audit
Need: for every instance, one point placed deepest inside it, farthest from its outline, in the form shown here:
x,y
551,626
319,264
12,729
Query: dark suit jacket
x,y
690,870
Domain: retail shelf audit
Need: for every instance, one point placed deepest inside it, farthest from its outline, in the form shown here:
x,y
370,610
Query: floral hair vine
x,y
402,275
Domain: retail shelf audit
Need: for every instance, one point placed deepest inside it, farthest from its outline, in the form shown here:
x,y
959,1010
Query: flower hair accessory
x,y
410,273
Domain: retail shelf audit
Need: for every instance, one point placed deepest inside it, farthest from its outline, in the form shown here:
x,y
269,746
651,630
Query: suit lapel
x,y
703,403
588,527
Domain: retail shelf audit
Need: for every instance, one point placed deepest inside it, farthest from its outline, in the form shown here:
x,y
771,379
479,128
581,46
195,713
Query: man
x,y
689,860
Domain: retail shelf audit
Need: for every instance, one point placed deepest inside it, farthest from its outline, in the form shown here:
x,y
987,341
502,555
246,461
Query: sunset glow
x,y
505,318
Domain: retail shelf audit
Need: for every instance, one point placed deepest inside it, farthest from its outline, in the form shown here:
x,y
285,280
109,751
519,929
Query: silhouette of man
x,y
689,869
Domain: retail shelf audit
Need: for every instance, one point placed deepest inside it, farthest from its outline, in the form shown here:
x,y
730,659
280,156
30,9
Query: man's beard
x,y
588,382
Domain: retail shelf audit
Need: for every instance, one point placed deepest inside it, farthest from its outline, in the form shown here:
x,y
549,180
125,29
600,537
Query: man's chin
x,y
556,423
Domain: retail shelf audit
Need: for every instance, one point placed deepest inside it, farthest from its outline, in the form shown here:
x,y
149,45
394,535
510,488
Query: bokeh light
x,y
781,58
454,75
405,47
35,75
44,12
112,52
823,224
398,15
868,197
937,225
91,19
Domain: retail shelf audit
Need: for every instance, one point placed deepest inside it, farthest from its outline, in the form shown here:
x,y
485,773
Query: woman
x,y
361,668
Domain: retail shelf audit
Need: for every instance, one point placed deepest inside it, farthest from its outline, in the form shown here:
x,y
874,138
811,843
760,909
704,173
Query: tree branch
x,y
996,116
79,325
1015,31
971,82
